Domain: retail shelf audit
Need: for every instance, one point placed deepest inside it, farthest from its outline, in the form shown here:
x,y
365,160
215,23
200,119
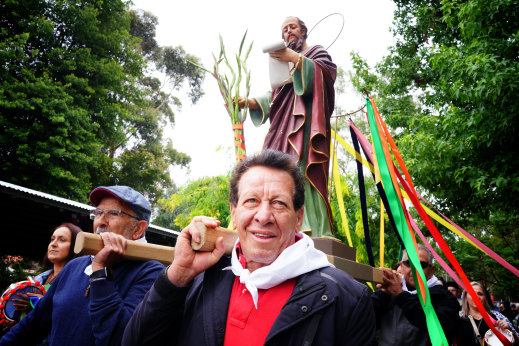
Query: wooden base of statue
x,y
343,257
334,247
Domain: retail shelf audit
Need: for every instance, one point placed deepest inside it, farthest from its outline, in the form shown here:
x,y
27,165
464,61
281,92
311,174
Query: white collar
x,y
433,281
299,258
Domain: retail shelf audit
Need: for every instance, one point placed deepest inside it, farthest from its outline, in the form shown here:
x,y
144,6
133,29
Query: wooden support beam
x,y
90,244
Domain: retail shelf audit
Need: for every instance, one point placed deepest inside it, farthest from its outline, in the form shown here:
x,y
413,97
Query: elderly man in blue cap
x,y
93,297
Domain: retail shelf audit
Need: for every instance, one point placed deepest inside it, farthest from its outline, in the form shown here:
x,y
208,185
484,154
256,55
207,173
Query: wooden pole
x,y
90,244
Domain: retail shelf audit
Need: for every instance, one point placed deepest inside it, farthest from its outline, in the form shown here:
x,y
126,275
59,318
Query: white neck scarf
x,y
299,258
433,281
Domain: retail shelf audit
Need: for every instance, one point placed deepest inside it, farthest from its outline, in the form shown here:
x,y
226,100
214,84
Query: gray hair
x,y
424,248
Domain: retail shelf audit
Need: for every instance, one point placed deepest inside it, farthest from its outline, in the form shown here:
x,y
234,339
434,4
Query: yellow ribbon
x,y
431,213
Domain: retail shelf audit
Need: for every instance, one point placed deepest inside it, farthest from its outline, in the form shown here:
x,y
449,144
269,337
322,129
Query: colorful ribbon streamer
x,y
363,204
446,222
340,201
239,142
392,189
409,188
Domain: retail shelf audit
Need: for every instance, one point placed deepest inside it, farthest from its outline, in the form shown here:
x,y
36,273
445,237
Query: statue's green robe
x,y
300,125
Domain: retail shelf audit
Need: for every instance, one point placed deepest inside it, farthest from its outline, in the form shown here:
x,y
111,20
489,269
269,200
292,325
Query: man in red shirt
x,y
275,288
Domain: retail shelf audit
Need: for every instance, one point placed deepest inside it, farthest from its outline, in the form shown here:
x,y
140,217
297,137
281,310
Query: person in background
x,y
454,289
468,331
59,252
516,319
400,316
507,310
93,297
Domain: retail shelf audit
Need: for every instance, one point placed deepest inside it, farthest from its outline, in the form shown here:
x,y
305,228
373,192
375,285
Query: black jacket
x,y
401,319
326,307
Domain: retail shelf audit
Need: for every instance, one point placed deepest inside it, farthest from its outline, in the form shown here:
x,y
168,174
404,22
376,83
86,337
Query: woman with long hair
x,y
59,251
472,327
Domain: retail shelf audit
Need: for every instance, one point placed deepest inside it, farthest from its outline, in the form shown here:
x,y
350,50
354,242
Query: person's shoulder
x,y
440,295
142,266
44,274
317,49
343,282
153,264
441,291
79,261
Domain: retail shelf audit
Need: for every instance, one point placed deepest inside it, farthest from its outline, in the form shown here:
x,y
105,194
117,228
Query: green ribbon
x,y
433,324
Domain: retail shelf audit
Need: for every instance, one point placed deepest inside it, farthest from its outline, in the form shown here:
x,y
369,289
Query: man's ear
x,y
299,215
233,209
140,228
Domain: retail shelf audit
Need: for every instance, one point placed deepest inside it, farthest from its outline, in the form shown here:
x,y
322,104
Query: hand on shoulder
x,y
188,263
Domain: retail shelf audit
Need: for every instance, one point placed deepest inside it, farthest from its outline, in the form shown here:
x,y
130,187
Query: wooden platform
x,y
343,257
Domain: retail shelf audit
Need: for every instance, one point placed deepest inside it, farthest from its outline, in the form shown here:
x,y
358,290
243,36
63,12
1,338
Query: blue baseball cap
x,y
126,194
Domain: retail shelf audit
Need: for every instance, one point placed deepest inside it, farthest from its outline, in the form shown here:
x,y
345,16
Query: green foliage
x,y
76,109
206,196
172,62
12,269
448,89
351,200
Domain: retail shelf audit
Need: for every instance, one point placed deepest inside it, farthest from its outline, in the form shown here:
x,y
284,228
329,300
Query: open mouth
x,y
263,236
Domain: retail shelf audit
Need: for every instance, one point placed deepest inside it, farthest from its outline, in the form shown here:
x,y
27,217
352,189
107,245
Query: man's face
x,y
408,273
291,30
453,290
264,215
122,224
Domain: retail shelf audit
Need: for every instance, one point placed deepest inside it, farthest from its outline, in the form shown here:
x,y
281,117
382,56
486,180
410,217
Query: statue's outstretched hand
x,y
252,104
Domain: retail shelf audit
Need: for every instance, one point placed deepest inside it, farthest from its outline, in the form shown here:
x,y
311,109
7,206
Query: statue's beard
x,y
297,44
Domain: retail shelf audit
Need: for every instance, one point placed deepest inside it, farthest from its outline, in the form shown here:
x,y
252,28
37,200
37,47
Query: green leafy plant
x,y
230,89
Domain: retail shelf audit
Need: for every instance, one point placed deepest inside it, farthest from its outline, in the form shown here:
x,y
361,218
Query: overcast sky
x,y
203,131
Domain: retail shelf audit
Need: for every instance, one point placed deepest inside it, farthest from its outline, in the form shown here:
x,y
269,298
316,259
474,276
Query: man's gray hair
x,y
429,253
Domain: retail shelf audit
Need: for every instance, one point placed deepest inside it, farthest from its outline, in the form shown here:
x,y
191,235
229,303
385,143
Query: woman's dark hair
x,y
74,230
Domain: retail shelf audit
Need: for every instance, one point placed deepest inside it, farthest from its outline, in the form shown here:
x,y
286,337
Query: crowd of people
x,y
275,288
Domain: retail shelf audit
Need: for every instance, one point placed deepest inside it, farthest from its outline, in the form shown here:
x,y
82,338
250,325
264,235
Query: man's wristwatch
x,y
105,273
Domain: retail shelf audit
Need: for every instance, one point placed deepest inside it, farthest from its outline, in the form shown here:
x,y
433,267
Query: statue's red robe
x,y
300,125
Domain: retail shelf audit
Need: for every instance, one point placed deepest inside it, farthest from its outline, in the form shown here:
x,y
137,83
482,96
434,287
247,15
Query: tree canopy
x,y
206,196
448,89
78,105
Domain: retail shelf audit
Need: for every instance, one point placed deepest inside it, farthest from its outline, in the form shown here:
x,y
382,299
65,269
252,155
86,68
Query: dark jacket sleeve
x,y
380,301
361,328
445,305
157,319
110,312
